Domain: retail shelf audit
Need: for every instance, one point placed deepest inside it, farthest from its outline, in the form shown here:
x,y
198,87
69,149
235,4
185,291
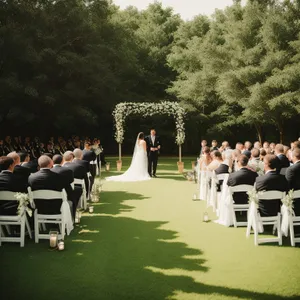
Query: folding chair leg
x,y
63,230
28,227
234,218
248,230
278,230
36,229
292,234
22,233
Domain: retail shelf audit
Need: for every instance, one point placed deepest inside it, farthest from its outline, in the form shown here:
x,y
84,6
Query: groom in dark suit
x,y
153,147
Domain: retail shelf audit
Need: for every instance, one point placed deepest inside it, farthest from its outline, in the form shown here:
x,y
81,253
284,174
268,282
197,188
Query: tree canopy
x,y
65,64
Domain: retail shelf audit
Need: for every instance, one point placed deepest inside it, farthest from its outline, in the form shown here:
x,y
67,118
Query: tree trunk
x,y
281,131
259,133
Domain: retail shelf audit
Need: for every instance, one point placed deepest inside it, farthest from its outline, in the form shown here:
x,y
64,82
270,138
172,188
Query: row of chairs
x,y
223,204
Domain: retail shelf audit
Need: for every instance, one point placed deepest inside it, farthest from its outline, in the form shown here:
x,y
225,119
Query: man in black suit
x,y
8,182
153,147
45,179
32,165
78,155
293,172
243,176
283,161
67,176
21,173
271,181
78,171
90,156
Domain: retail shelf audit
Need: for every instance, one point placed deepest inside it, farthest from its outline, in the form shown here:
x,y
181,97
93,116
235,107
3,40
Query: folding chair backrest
x,y
221,177
270,201
271,195
296,197
7,195
241,188
48,201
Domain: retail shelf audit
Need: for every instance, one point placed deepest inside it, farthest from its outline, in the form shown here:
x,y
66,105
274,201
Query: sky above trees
x,y
186,8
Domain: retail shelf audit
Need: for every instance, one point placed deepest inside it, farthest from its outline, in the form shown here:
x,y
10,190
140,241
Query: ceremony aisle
x,y
147,240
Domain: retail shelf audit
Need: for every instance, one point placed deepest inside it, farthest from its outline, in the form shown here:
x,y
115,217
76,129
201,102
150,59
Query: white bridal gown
x,y
138,170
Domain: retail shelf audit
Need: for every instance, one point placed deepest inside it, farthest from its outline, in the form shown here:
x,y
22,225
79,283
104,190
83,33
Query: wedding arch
x,y
148,109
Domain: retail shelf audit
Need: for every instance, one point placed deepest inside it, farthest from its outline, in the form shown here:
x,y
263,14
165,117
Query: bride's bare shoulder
x,y
142,142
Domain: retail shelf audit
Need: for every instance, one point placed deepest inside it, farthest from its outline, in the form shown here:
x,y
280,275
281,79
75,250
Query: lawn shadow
x,y
111,258
111,202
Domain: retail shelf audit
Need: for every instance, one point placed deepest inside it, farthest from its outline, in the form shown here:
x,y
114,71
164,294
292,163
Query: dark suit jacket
x,y
31,165
268,182
89,156
45,179
149,144
78,170
67,177
222,169
243,176
82,163
22,175
9,182
293,176
282,162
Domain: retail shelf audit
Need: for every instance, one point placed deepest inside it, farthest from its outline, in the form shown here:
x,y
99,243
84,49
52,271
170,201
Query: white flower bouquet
x,y
24,202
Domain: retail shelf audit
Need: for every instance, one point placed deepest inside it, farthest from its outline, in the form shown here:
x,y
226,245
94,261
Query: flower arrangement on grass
x,y
96,190
145,109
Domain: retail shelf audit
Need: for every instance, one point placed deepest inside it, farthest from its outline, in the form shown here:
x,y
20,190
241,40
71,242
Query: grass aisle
x,y
147,241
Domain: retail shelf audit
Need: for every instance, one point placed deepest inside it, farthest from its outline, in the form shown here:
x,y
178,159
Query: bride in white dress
x,y
138,170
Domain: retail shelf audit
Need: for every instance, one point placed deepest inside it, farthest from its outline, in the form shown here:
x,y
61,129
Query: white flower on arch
x,y
147,109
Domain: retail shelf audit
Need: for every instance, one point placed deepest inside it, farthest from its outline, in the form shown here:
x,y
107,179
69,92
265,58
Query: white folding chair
x,y
48,219
83,199
295,221
13,220
272,220
242,188
283,171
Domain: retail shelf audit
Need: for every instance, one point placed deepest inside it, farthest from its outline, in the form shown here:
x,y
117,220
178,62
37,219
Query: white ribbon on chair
x,y
213,192
254,218
66,212
286,215
225,206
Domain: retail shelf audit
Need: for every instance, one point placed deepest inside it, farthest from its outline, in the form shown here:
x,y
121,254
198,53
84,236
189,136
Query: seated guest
x,y
214,145
257,145
203,144
8,182
262,154
283,161
235,154
45,179
255,163
271,181
206,159
89,156
225,146
243,176
216,161
27,163
272,148
78,170
293,172
297,144
102,156
21,173
248,146
78,155
2,150
67,177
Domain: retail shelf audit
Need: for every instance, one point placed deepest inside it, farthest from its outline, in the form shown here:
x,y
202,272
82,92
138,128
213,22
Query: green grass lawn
x,y
146,240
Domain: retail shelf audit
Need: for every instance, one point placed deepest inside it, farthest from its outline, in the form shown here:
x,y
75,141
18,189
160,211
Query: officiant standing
x,y
153,147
